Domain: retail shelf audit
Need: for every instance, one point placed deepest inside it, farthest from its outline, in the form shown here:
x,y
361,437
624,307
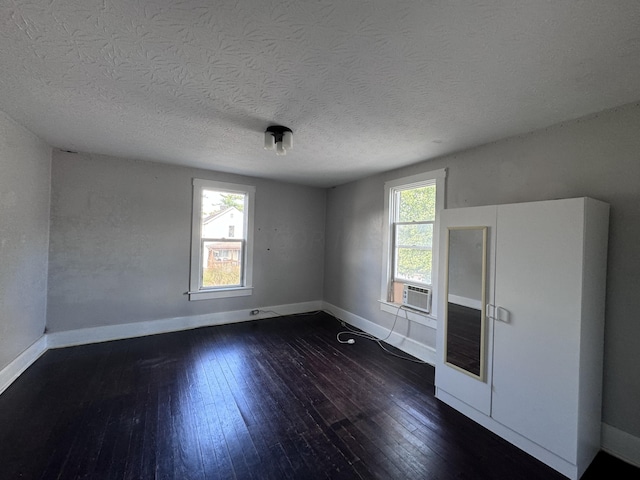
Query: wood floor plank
x,y
274,428
269,399
270,453
368,421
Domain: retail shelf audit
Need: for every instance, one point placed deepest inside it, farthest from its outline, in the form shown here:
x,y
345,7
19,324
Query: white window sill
x,y
416,316
223,293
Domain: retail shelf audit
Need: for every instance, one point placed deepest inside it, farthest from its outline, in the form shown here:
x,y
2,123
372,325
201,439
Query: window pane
x,y
417,204
222,214
222,264
221,240
420,235
413,265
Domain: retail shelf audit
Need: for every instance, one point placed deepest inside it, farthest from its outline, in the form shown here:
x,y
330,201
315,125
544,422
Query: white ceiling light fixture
x,y
278,138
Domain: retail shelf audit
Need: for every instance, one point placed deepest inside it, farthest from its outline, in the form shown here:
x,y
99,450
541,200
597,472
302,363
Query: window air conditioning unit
x,y
418,298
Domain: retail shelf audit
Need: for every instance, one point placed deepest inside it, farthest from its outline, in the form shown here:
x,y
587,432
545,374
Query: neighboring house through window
x,y
410,251
221,240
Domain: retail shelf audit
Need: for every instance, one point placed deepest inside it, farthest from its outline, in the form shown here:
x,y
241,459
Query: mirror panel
x,y
465,306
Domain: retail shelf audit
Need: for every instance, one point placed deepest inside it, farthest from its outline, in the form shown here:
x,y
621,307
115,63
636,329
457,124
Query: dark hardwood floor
x,y
277,398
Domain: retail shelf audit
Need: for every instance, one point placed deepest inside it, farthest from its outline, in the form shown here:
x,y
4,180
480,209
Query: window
x,y
221,240
410,253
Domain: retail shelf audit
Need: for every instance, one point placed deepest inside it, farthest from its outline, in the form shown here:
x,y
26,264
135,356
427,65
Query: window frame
x,y
395,247
196,290
434,177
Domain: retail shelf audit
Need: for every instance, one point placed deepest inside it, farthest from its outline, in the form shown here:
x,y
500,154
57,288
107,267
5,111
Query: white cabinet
x,y
543,338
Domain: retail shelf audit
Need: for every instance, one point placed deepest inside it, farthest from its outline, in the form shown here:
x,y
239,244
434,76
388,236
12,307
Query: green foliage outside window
x,y
232,200
413,259
414,265
417,204
227,273
214,201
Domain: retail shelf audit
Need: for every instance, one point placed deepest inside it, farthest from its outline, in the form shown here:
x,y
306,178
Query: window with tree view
x,y
221,237
415,213
410,247
412,205
222,248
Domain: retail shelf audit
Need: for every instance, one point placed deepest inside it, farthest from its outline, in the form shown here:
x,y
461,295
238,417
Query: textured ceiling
x,y
366,85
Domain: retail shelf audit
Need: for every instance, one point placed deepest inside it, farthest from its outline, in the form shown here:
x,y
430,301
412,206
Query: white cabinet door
x,y
470,390
538,285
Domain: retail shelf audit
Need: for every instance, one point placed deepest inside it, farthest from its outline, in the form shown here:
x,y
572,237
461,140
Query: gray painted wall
x,y
597,156
120,242
24,237
354,242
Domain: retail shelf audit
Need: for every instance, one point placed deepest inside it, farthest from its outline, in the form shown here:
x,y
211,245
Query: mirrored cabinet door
x,y
464,338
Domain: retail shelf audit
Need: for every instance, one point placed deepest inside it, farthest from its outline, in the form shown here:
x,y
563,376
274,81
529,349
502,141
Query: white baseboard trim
x,y
621,444
12,371
406,344
85,336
